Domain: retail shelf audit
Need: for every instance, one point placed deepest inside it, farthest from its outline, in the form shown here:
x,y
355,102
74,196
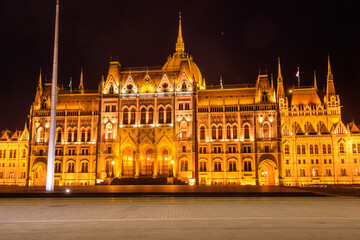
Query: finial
x,y
180,46
279,79
315,82
81,85
40,80
221,85
272,81
329,75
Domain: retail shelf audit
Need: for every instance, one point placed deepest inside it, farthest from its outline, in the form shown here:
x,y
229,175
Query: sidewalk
x,y
156,190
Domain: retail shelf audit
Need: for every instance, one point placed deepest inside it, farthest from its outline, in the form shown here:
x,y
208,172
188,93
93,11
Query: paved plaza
x,y
180,218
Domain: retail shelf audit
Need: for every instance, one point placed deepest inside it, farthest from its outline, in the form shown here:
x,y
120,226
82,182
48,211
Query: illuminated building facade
x,y
164,124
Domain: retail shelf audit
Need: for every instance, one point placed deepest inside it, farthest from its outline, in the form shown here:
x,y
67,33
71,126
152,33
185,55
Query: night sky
x,y
227,38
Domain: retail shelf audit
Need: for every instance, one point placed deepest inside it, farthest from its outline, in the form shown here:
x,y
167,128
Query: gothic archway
x,y
39,174
267,173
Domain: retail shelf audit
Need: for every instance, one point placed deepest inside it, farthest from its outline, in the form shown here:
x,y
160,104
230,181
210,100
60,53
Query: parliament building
x,y
164,125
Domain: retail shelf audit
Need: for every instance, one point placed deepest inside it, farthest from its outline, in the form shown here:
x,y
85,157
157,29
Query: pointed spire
x,y
279,78
315,82
272,81
180,46
329,74
330,87
280,86
221,85
40,82
81,85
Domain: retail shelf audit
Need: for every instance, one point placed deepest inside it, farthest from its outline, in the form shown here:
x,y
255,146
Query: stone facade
x,y
165,123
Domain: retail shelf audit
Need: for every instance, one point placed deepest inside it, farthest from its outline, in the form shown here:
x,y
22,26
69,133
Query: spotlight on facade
x,y
191,181
113,162
67,190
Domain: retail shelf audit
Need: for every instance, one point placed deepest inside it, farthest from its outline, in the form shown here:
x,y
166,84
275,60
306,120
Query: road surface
x,y
180,218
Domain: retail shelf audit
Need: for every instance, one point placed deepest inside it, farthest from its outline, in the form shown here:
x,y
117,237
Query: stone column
x,y
156,164
137,164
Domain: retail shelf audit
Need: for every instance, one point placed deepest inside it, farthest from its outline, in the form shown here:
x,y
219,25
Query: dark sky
x,y
228,38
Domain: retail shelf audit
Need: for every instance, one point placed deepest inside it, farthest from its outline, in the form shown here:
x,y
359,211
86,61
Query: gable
x,y
184,81
111,86
165,85
129,86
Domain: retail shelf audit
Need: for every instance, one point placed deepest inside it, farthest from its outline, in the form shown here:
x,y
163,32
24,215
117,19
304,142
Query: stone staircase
x,y
144,181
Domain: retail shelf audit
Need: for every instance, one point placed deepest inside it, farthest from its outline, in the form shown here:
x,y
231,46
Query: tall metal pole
x,y
51,148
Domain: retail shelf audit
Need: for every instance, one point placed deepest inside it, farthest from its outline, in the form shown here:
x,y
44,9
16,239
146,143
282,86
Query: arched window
x,y
15,153
88,133
357,172
23,153
316,149
213,132
75,139
287,149
183,87
149,155
71,167
58,135
126,116
329,149
161,115
298,151
41,134
109,131
232,166
184,164
247,166
70,133
10,153
84,167
315,172
220,132
246,132
266,131
58,168
303,150
143,116
228,132
132,116
234,130
183,129
311,149
202,166
202,133
168,115
342,148
151,116
354,148
324,149
111,89
264,97
83,135
217,166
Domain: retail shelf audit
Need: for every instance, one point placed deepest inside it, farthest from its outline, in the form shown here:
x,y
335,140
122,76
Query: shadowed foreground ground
x,y
180,218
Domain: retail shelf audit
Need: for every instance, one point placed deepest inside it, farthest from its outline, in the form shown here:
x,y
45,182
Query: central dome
x,y
183,62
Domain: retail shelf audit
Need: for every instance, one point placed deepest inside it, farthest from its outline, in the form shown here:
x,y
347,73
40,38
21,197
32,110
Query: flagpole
x,y
298,76
51,148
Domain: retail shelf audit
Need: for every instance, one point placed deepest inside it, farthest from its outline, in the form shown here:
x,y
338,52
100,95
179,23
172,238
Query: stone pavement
x,y
176,218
